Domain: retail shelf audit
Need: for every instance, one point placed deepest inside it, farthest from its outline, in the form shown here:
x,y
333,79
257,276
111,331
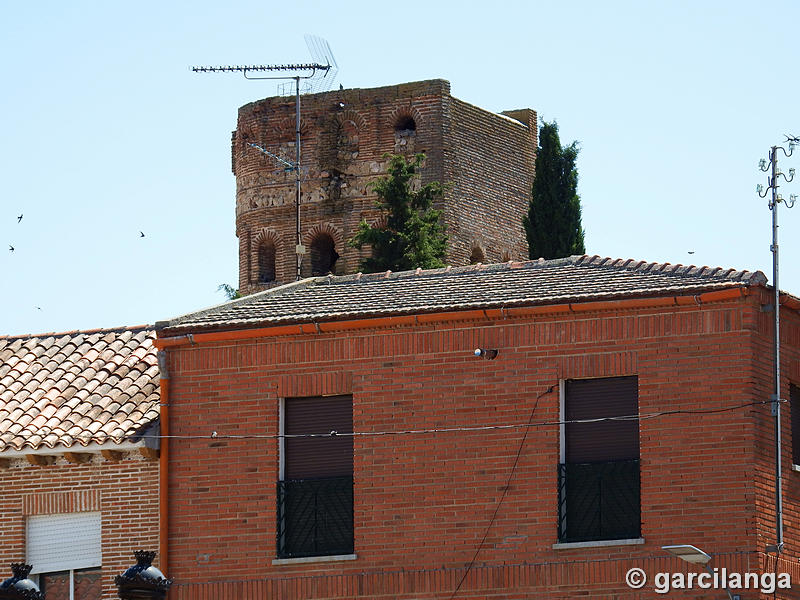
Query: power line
x,y
277,436
503,495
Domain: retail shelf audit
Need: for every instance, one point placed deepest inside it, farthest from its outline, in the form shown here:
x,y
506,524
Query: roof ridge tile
x,y
569,279
54,334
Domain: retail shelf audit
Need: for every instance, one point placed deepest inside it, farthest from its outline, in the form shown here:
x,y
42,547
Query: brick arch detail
x,y
480,246
326,228
286,129
354,116
379,222
406,111
267,235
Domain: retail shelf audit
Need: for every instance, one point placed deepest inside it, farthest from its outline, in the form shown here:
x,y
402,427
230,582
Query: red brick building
x,y
79,466
339,438
486,159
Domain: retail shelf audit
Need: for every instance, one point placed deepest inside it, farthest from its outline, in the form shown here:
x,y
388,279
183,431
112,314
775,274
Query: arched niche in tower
x,y
476,256
266,262
405,133
266,250
323,255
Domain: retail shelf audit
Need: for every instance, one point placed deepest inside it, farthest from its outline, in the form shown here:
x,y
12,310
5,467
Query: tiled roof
x,y
573,279
77,388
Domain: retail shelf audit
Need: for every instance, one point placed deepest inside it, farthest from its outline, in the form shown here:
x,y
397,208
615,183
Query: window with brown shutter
x,y
315,496
598,482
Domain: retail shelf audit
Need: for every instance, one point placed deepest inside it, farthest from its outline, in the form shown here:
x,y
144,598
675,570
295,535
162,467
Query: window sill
x,y
598,544
795,467
313,559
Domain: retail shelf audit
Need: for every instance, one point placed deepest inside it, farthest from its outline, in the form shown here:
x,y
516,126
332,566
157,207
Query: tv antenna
x,y
318,77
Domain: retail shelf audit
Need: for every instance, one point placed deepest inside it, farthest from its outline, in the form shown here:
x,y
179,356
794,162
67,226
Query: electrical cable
x,y
526,426
503,495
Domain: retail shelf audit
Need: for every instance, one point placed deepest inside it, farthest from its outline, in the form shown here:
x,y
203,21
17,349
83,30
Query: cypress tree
x,y
553,223
414,235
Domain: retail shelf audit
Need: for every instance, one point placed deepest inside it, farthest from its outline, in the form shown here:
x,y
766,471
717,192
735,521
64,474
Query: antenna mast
x,y
771,167
321,52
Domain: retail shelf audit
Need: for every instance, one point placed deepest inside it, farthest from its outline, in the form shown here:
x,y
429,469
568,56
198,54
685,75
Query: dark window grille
x,y
599,501
315,517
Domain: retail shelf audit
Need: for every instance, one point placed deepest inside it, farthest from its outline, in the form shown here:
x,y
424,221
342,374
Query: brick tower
x,y
485,159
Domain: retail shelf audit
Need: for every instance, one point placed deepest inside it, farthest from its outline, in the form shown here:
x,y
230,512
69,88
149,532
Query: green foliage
x,y
231,292
553,223
414,235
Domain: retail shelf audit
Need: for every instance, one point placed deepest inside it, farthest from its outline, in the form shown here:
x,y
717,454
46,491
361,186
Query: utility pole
x,y
771,167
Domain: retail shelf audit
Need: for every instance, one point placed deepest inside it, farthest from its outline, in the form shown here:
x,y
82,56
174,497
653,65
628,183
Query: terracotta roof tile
x,y
567,280
77,388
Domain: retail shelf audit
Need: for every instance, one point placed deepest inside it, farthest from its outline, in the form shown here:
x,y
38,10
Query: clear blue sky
x,y
106,132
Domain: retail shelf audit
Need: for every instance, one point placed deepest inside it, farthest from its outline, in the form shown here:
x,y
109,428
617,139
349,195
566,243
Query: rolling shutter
x,y
316,457
64,541
603,441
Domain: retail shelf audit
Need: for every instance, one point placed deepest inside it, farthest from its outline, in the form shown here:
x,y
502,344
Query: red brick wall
x,y
125,492
423,501
507,582
764,387
487,159
490,162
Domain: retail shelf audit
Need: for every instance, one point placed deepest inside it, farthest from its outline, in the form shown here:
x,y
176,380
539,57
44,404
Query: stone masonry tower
x,y
485,159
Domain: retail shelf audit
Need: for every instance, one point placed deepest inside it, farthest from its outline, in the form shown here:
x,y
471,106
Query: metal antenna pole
x,y
299,249
775,398
776,403
321,51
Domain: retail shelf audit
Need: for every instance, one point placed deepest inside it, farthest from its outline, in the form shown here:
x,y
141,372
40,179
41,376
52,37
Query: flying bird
x,y
10,248
38,307
141,234
691,252
19,218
